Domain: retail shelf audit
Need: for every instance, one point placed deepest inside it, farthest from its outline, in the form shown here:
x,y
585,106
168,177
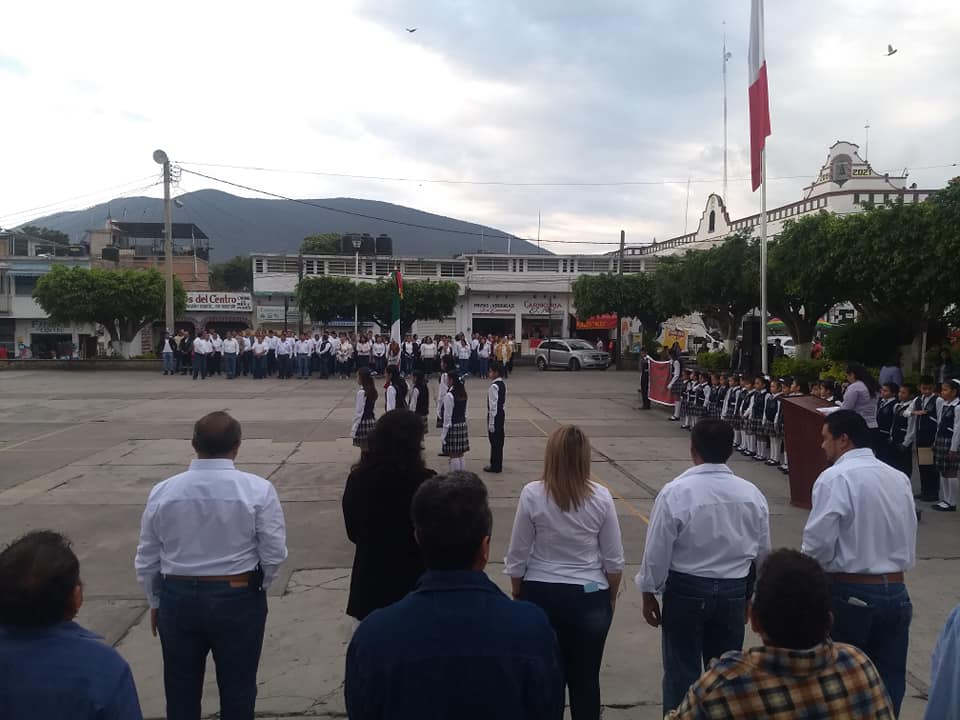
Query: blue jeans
x,y
230,364
168,364
303,365
197,617
484,366
581,621
199,365
702,619
881,629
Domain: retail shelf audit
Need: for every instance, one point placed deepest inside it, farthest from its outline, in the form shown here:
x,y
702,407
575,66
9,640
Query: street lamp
x,y
356,272
160,157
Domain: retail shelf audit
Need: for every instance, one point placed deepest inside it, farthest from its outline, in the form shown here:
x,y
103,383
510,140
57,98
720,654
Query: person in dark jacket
x,y
376,512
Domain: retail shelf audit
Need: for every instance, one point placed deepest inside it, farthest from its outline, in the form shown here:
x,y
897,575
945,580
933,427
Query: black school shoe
x,y
943,507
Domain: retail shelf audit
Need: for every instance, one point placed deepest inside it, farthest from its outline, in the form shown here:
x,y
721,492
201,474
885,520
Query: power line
x,y
87,195
366,216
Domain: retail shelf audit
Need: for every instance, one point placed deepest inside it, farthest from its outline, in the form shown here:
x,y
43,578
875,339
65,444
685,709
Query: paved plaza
x,y
79,452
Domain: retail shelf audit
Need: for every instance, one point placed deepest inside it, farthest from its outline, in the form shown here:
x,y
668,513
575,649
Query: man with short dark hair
x,y
707,529
496,416
50,667
644,364
863,530
455,647
211,541
799,672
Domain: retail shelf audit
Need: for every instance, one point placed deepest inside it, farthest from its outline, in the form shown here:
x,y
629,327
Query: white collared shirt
x,y
259,348
201,346
576,547
706,522
484,351
216,343
210,520
231,346
272,342
863,518
379,349
428,351
285,346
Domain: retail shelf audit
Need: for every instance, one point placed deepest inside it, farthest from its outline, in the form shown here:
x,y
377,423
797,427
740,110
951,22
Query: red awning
x,y
608,321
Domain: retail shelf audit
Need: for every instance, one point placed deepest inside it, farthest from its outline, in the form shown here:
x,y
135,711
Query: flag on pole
x,y
759,98
395,309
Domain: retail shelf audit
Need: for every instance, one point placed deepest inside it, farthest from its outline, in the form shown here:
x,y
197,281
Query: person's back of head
x,y
394,447
216,435
791,604
711,441
39,581
848,424
452,522
566,467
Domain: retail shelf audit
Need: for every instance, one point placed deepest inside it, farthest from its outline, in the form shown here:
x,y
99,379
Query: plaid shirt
x,y
831,680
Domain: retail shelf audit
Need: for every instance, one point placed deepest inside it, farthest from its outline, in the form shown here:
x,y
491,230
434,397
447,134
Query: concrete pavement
x,y
79,452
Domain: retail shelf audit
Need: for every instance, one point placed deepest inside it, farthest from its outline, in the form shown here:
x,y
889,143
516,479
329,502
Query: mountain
x,y
240,225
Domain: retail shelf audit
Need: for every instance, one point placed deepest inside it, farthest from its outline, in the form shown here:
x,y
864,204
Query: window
x,y
591,265
632,266
712,227
282,265
542,265
452,270
421,268
24,285
258,265
491,264
856,198
19,246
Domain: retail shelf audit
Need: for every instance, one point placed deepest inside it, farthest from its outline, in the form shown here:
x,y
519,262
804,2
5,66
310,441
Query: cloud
x,y
12,65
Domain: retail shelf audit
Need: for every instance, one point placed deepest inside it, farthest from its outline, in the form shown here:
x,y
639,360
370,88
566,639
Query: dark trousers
x,y
214,365
247,362
271,362
497,438
230,364
283,363
879,624
902,459
929,481
702,619
199,366
645,391
196,618
259,367
581,621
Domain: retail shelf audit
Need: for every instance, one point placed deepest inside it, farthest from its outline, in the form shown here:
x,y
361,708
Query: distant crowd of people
x,y
285,354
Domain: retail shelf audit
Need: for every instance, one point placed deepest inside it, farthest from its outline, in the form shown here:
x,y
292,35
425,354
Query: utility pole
x,y
623,238
299,280
160,157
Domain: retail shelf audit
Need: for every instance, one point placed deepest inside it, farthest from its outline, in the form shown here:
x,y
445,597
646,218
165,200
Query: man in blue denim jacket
x,y
455,647
50,667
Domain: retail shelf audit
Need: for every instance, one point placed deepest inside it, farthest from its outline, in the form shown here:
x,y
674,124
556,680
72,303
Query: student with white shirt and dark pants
x,y
566,555
211,541
707,528
496,416
863,530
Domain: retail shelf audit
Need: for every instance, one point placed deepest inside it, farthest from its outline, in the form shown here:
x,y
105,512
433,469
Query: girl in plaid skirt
x,y
685,389
753,417
718,391
946,447
442,388
675,386
729,409
454,438
773,422
363,415
700,393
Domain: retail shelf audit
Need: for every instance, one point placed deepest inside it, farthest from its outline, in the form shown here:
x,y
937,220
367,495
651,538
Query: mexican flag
x,y
395,310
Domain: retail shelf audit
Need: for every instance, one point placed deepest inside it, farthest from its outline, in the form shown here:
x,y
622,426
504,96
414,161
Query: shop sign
x,y
46,327
223,301
508,307
270,312
542,307
607,321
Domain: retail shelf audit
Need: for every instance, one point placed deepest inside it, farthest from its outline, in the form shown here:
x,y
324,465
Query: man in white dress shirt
x,y
231,351
201,352
708,530
211,541
863,531
284,356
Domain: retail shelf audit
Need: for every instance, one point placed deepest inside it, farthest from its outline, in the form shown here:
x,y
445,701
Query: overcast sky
x,y
520,91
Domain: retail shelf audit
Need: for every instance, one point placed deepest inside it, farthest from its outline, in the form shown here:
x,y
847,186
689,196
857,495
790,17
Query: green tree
x,y
235,274
803,276
122,301
321,244
633,295
45,233
422,300
326,297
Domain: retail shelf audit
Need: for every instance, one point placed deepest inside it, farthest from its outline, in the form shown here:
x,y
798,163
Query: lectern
x,y
803,426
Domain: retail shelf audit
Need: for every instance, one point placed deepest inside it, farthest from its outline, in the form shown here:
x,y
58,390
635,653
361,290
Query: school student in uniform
x,y
676,386
900,450
443,387
729,407
364,417
395,394
885,415
454,438
701,394
921,434
768,430
420,398
758,403
946,448
718,391
686,383
747,445
496,417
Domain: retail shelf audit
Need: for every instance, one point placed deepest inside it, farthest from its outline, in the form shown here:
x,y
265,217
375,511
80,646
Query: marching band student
x,y
771,413
885,416
454,438
921,433
420,398
676,386
749,445
396,389
686,389
900,450
761,388
363,416
946,448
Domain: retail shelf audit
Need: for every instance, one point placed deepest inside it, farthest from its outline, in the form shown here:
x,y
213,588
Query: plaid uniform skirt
x,y
457,441
676,387
698,410
713,410
753,425
363,431
941,457
768,428
684,406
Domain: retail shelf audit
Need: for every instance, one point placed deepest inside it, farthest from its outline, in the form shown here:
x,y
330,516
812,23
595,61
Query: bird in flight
x,y
413,30
891,50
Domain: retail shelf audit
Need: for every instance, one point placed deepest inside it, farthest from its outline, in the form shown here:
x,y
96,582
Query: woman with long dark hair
x,y
420,397
363,415
396,389
376,512
861,397
454,440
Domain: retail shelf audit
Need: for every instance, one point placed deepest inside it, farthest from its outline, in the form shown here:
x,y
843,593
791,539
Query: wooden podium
x,y
803,426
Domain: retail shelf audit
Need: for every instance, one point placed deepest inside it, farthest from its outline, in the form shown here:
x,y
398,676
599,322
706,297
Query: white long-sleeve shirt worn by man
x,y
211,520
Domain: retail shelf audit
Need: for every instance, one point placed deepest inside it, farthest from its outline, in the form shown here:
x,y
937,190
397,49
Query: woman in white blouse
x,y
566,556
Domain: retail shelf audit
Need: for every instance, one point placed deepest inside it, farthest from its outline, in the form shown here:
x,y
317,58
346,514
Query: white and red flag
x,y
759,98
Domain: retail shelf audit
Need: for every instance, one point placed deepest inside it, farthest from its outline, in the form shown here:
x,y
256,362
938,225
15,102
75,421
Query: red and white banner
x,y
759,97
659,382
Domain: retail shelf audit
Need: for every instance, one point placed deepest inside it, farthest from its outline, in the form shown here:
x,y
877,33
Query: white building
x,y
521,295
25,329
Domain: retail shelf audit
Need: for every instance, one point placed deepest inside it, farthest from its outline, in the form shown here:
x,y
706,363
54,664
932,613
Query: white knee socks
x,y
676,408
458,463
737,438
949,489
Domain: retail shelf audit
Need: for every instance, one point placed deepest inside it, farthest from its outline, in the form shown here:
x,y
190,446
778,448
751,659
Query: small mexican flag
x,y
395,310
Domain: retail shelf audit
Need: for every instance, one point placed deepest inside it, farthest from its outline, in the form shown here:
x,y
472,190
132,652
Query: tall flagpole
x,y
763,262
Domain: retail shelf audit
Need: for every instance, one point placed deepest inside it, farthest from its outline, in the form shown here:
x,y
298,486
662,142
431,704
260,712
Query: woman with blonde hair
x,y
566,556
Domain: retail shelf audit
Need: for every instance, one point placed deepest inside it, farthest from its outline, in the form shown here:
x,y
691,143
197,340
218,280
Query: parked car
x,y
570,353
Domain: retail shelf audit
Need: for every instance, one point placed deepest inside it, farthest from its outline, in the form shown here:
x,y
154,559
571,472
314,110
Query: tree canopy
x,y
235,274
632,295
321,244
123,301
45,233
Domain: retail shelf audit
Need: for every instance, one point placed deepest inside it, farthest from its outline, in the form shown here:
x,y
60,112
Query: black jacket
x,y
387,562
